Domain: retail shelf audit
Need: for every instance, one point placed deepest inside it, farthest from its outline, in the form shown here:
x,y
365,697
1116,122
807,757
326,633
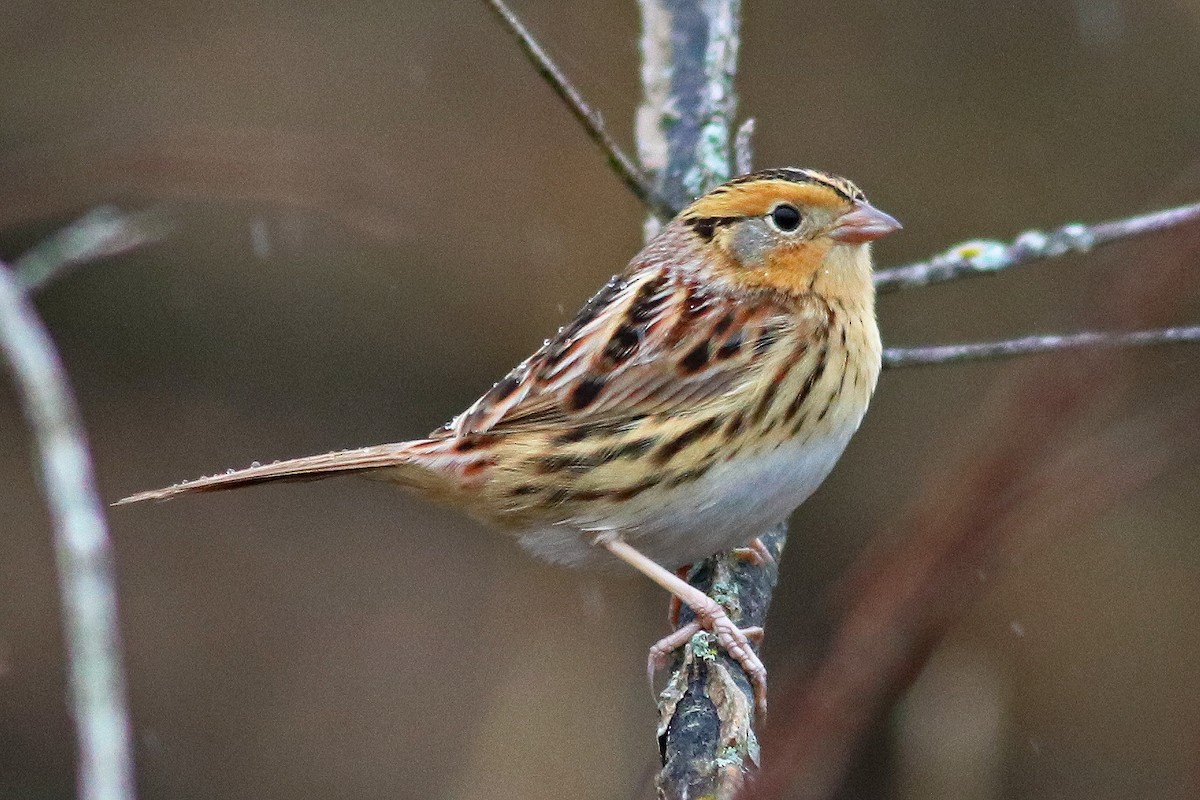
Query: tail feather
x,y
343,462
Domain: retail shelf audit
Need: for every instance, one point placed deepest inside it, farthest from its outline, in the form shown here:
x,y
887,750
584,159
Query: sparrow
x,y
695,401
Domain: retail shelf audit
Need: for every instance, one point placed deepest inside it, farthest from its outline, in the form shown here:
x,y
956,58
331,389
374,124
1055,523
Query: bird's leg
x,y
674,608
755,552
710,616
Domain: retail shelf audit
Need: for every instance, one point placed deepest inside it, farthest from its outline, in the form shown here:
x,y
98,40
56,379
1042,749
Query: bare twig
x,y
85,566
101,233
986,257
1028,345
588,117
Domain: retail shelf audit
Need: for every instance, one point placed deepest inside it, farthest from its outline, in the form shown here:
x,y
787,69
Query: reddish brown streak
x,y
475,468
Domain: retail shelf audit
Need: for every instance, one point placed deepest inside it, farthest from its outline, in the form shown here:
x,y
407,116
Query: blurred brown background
x,y
381,209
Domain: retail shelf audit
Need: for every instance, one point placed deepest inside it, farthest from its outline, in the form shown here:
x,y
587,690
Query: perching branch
x,y
85,563
894,357
588,117
706,713
986,256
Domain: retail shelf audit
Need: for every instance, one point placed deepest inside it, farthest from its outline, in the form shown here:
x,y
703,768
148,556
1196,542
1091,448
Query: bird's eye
x,y
786,217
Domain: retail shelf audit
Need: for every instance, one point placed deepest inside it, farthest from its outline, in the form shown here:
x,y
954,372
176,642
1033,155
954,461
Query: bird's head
x,y
791,230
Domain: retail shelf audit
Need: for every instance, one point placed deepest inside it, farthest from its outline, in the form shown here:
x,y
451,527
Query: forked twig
x,y
986,256
894,357
587,116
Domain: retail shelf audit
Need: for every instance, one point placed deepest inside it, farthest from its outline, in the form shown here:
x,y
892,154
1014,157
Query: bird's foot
x,y
756,552
733,640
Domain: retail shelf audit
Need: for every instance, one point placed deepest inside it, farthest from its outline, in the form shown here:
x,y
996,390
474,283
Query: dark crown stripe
x,y
844,188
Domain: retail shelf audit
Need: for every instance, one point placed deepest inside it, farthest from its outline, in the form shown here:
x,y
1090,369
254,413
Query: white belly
x,y
729,505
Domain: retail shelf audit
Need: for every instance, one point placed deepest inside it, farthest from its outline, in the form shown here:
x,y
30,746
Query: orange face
x,y
787,230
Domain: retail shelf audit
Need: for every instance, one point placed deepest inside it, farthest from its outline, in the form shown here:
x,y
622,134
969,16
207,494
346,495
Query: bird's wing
x,y
650,342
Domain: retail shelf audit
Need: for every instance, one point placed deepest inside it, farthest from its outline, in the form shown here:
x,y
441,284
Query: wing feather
x,y
651,342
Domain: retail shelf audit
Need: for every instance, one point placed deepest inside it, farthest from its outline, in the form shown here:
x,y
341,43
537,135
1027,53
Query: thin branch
x,y
85,563
987,257
101,233
588,117
894,357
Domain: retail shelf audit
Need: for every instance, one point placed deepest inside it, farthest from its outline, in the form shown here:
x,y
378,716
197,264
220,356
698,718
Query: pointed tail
x,y
402,461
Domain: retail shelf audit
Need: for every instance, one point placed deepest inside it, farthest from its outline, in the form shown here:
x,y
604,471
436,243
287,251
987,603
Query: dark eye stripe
x,y
706,227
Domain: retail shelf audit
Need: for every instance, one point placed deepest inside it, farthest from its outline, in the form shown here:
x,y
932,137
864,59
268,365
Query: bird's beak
x,y
863,223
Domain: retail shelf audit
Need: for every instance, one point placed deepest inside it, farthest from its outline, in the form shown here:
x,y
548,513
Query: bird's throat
x,y
839,273
844,276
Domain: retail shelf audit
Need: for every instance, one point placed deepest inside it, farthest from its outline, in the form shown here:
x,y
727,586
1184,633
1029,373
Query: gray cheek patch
x,y
750,241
